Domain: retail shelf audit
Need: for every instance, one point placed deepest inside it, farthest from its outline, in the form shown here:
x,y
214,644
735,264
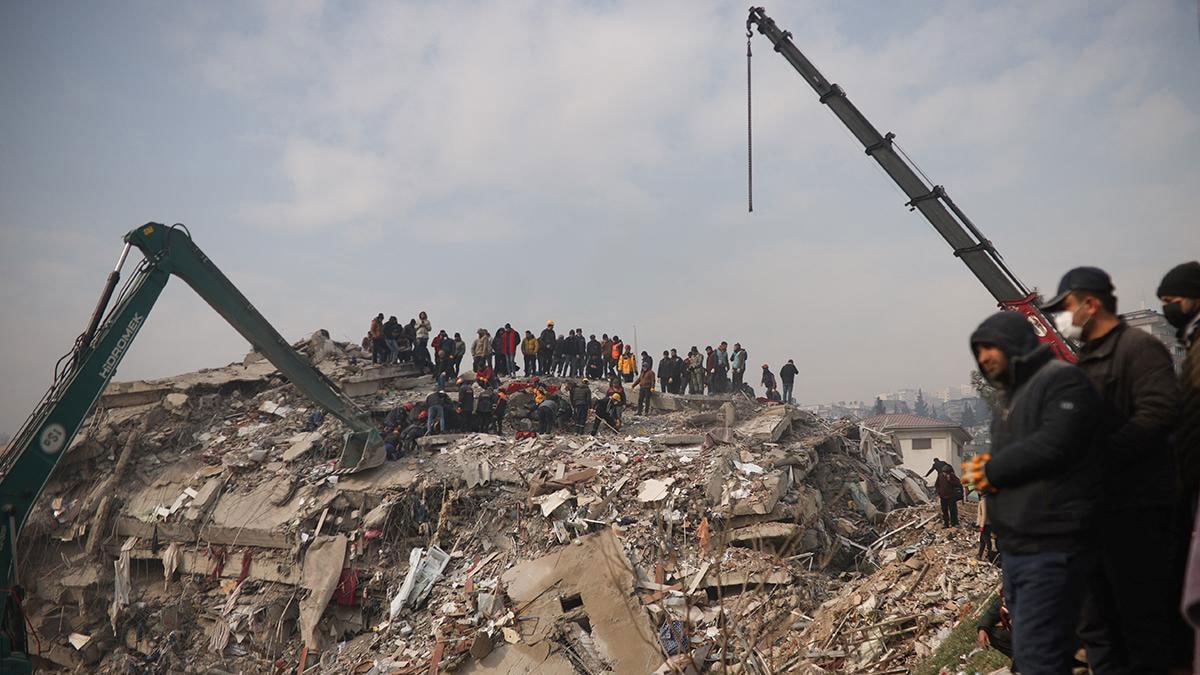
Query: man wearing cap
x,y
1127,614
546,350
1040,485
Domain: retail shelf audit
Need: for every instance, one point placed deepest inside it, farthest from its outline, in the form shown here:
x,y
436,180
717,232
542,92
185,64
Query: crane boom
x,y
36,450
967,242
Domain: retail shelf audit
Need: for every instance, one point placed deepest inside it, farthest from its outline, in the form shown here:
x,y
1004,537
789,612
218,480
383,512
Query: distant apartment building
x,y
1156,324
921,439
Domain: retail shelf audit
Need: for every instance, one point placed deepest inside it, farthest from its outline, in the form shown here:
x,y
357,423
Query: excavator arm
x,y
35,451
967,242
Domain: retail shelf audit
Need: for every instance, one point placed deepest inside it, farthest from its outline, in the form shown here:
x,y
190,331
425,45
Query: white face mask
x,y
1065,323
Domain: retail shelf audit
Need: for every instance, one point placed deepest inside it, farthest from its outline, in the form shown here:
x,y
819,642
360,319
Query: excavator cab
x,y
360,451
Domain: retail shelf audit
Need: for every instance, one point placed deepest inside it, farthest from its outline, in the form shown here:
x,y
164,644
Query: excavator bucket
x,y
361,452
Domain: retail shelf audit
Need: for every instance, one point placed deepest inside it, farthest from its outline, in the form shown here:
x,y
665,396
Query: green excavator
x,y
28,462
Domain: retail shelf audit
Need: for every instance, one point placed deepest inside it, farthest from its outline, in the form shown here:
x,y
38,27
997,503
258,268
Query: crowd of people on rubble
x,y
549,354
1089,491
477,399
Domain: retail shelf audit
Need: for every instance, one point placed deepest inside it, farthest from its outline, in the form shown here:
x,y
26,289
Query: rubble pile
x,y
198,525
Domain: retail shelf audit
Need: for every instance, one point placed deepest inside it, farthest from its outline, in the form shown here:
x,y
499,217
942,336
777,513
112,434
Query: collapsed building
x,y
198,525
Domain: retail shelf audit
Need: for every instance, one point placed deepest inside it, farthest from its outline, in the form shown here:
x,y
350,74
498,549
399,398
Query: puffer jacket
x,y
1042,434
529,346
482,347
627,364
1133,372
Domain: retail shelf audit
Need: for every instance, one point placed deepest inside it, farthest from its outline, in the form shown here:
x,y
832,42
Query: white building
x,y
921,439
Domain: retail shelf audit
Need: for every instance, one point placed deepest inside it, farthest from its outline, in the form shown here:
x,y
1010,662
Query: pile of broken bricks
x,y
201,529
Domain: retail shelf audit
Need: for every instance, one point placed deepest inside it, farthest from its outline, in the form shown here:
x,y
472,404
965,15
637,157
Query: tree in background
x,y
879,407
920,407
985,390
968,416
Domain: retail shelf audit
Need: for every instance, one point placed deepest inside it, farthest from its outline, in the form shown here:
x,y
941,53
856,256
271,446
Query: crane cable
x,y
749,132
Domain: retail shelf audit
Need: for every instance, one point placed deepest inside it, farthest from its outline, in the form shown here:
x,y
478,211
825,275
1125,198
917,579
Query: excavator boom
x,y
35,451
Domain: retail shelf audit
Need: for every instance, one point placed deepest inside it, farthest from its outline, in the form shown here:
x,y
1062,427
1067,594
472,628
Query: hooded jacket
x,y
1133,372
788,373
1041,466
482,348
509,339
529,346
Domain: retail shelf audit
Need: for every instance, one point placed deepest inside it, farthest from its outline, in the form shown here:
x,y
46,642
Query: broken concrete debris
x,y
713,534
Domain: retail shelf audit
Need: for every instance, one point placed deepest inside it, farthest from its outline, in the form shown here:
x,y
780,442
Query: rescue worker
x,y
605,413
768,382
466,401
547,409
616,349
627,364
1040,480
1129,606
581,402
435,407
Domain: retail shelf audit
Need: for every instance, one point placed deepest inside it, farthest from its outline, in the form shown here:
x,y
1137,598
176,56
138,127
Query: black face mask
x,y
1176,316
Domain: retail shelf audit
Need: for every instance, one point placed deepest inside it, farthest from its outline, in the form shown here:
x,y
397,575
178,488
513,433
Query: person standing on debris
x,y
546,350
1129,607
581,402
710,369
616,349
498,361
606,412
723,367
435,406
499,411
529,349
391,339
580,354
594,350
460,350
422,329
375,335
481,349
560,353
645,390
986,552
466,399
938,465
647,360
696,370
737,365
1040,481
948,490
665,369
510,341
627,364
787,375
768,383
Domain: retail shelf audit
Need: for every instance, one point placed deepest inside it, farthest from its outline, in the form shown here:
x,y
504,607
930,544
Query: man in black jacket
x,y
1041,484
1130,603
546,350
787,376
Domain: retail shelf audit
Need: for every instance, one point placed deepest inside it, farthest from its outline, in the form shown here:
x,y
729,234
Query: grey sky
x,y
521,161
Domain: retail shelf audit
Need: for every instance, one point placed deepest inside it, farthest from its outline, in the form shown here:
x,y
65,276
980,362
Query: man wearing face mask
x,y
1128,611
1180,295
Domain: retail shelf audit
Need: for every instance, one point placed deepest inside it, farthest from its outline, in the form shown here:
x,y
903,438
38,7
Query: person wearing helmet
x,y
605,409
768,383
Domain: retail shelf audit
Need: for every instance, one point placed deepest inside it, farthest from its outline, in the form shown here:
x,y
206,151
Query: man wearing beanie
x,y
1129,605
1180,295
1040,481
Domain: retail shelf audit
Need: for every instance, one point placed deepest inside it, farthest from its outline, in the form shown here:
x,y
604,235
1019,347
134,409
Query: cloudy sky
x,y
585,161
